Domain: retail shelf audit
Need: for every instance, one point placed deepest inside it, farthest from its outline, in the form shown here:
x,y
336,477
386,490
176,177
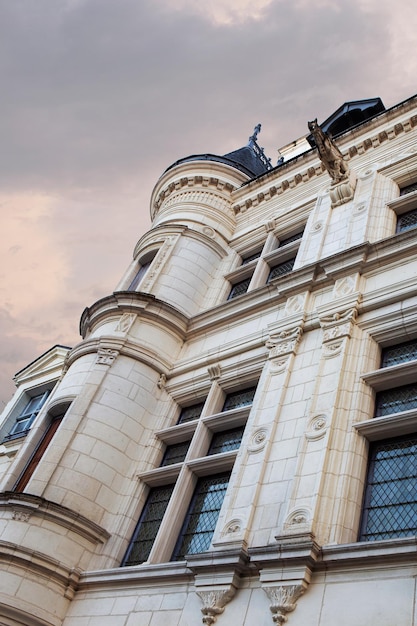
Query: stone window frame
x,y
395,426
384,379
197,463
141,268
275,250
403,205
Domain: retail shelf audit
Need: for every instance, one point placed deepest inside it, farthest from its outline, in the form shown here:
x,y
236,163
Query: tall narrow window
x,y
202,516
390,508
39,452
138,276
148,525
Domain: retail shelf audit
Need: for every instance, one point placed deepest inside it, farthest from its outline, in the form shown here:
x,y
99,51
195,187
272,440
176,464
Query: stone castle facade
x,y
234,440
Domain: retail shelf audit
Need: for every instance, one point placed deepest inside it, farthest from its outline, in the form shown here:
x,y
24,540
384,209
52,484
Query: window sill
x,y
393,376
395,425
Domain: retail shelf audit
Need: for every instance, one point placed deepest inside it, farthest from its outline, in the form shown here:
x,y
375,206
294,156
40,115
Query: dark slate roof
x,y
350,114
250,159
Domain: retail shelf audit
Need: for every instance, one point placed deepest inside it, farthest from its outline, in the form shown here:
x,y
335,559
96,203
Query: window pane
x,y
239,399
189,413
401,353
251,257
148,525
226,440
406,221
287,240
239,288
408,189
139,275
26,417
391,497
202,516
175,453
281,269
396,400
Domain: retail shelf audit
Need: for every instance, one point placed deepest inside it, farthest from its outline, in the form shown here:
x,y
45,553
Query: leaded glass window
x,y
238,399
189,413
202,516
408,189
400,353
175,453
251,257
281,269
287,240
390,508
226,440
239,288
395,400
148,525
406,221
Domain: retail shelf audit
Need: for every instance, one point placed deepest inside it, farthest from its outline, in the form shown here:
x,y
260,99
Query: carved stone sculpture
x,y
214,603
329,154
283,600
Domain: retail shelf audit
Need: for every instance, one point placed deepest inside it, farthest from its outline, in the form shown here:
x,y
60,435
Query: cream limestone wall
x,y
285,545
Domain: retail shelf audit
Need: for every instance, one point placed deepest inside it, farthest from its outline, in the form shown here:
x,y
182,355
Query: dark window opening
x,y
390,506
175,453
281,269
148,525
401,353
189,413
226,440
406,221
395,400
239,399
239,288
202,516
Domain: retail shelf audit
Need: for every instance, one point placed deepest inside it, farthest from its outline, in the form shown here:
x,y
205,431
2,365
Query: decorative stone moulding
x,y
258,440
338,325
298,520
295,304
233,527
284,342
317,428
283,600
214,603
214,371
126,322
344,286
343,192
317,169
106,356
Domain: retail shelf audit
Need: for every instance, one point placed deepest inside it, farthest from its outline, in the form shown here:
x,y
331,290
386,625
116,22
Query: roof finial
x,y
254,137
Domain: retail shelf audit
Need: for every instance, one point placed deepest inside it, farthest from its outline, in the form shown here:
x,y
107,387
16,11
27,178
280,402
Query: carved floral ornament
x,y
283,600
284,342
214,602
338,325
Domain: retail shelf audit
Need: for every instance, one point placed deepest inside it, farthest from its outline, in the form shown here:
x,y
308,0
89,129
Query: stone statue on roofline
x,y
329,153
343,180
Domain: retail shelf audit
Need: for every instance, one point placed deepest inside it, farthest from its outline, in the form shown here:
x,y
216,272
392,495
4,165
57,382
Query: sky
x,y
98,97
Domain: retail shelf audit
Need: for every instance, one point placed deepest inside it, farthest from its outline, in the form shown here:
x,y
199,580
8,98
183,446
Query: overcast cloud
x,y
100,96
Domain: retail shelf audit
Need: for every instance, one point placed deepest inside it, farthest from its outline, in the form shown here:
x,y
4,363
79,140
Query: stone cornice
x,y
309,167
219,178
144,305
27,505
